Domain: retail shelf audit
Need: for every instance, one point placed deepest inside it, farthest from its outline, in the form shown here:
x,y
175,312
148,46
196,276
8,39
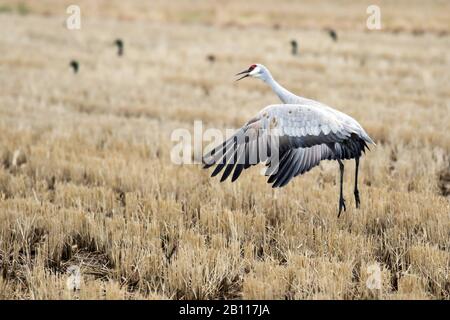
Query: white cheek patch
x,y
255,71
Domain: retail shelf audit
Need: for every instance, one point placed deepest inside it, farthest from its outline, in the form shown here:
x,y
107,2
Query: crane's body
x,y
298,134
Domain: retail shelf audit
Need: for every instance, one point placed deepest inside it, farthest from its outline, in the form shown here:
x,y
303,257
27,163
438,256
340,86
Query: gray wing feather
x,y
303,160
291,139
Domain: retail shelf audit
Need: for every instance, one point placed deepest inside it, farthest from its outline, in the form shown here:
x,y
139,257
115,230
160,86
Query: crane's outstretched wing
x,y
297,162
291,139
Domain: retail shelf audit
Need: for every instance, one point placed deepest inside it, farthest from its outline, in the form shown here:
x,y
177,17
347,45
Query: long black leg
x,y
356,191
341,196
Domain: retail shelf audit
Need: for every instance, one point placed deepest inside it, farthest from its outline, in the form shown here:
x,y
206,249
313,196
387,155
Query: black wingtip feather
x,y
206,166
237,172
218,169
227,172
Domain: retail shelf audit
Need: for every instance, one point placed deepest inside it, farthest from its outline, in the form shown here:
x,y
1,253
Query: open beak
x,y
245,75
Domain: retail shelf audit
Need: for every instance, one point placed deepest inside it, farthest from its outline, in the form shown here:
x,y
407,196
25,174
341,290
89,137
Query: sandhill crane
x,y
297,135
119,44
332,34
211,58
75,65
294,47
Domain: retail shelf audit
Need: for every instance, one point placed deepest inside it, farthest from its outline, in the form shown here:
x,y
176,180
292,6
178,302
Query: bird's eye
x,y
253,66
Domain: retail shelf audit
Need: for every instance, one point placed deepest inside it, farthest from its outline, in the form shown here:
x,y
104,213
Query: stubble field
x,y
86,178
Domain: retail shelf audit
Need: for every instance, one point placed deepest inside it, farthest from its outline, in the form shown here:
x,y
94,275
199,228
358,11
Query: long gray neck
x,y
285,95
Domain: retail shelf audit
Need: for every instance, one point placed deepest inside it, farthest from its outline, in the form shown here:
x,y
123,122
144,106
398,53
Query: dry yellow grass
x,y
85,175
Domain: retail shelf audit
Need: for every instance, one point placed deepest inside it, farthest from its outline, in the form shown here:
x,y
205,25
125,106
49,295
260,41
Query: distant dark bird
x,y
119,44
75,66
294,47
211,58
333,34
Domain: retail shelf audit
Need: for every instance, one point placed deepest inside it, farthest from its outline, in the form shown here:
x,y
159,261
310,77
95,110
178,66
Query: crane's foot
x,y
358,202
341,206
